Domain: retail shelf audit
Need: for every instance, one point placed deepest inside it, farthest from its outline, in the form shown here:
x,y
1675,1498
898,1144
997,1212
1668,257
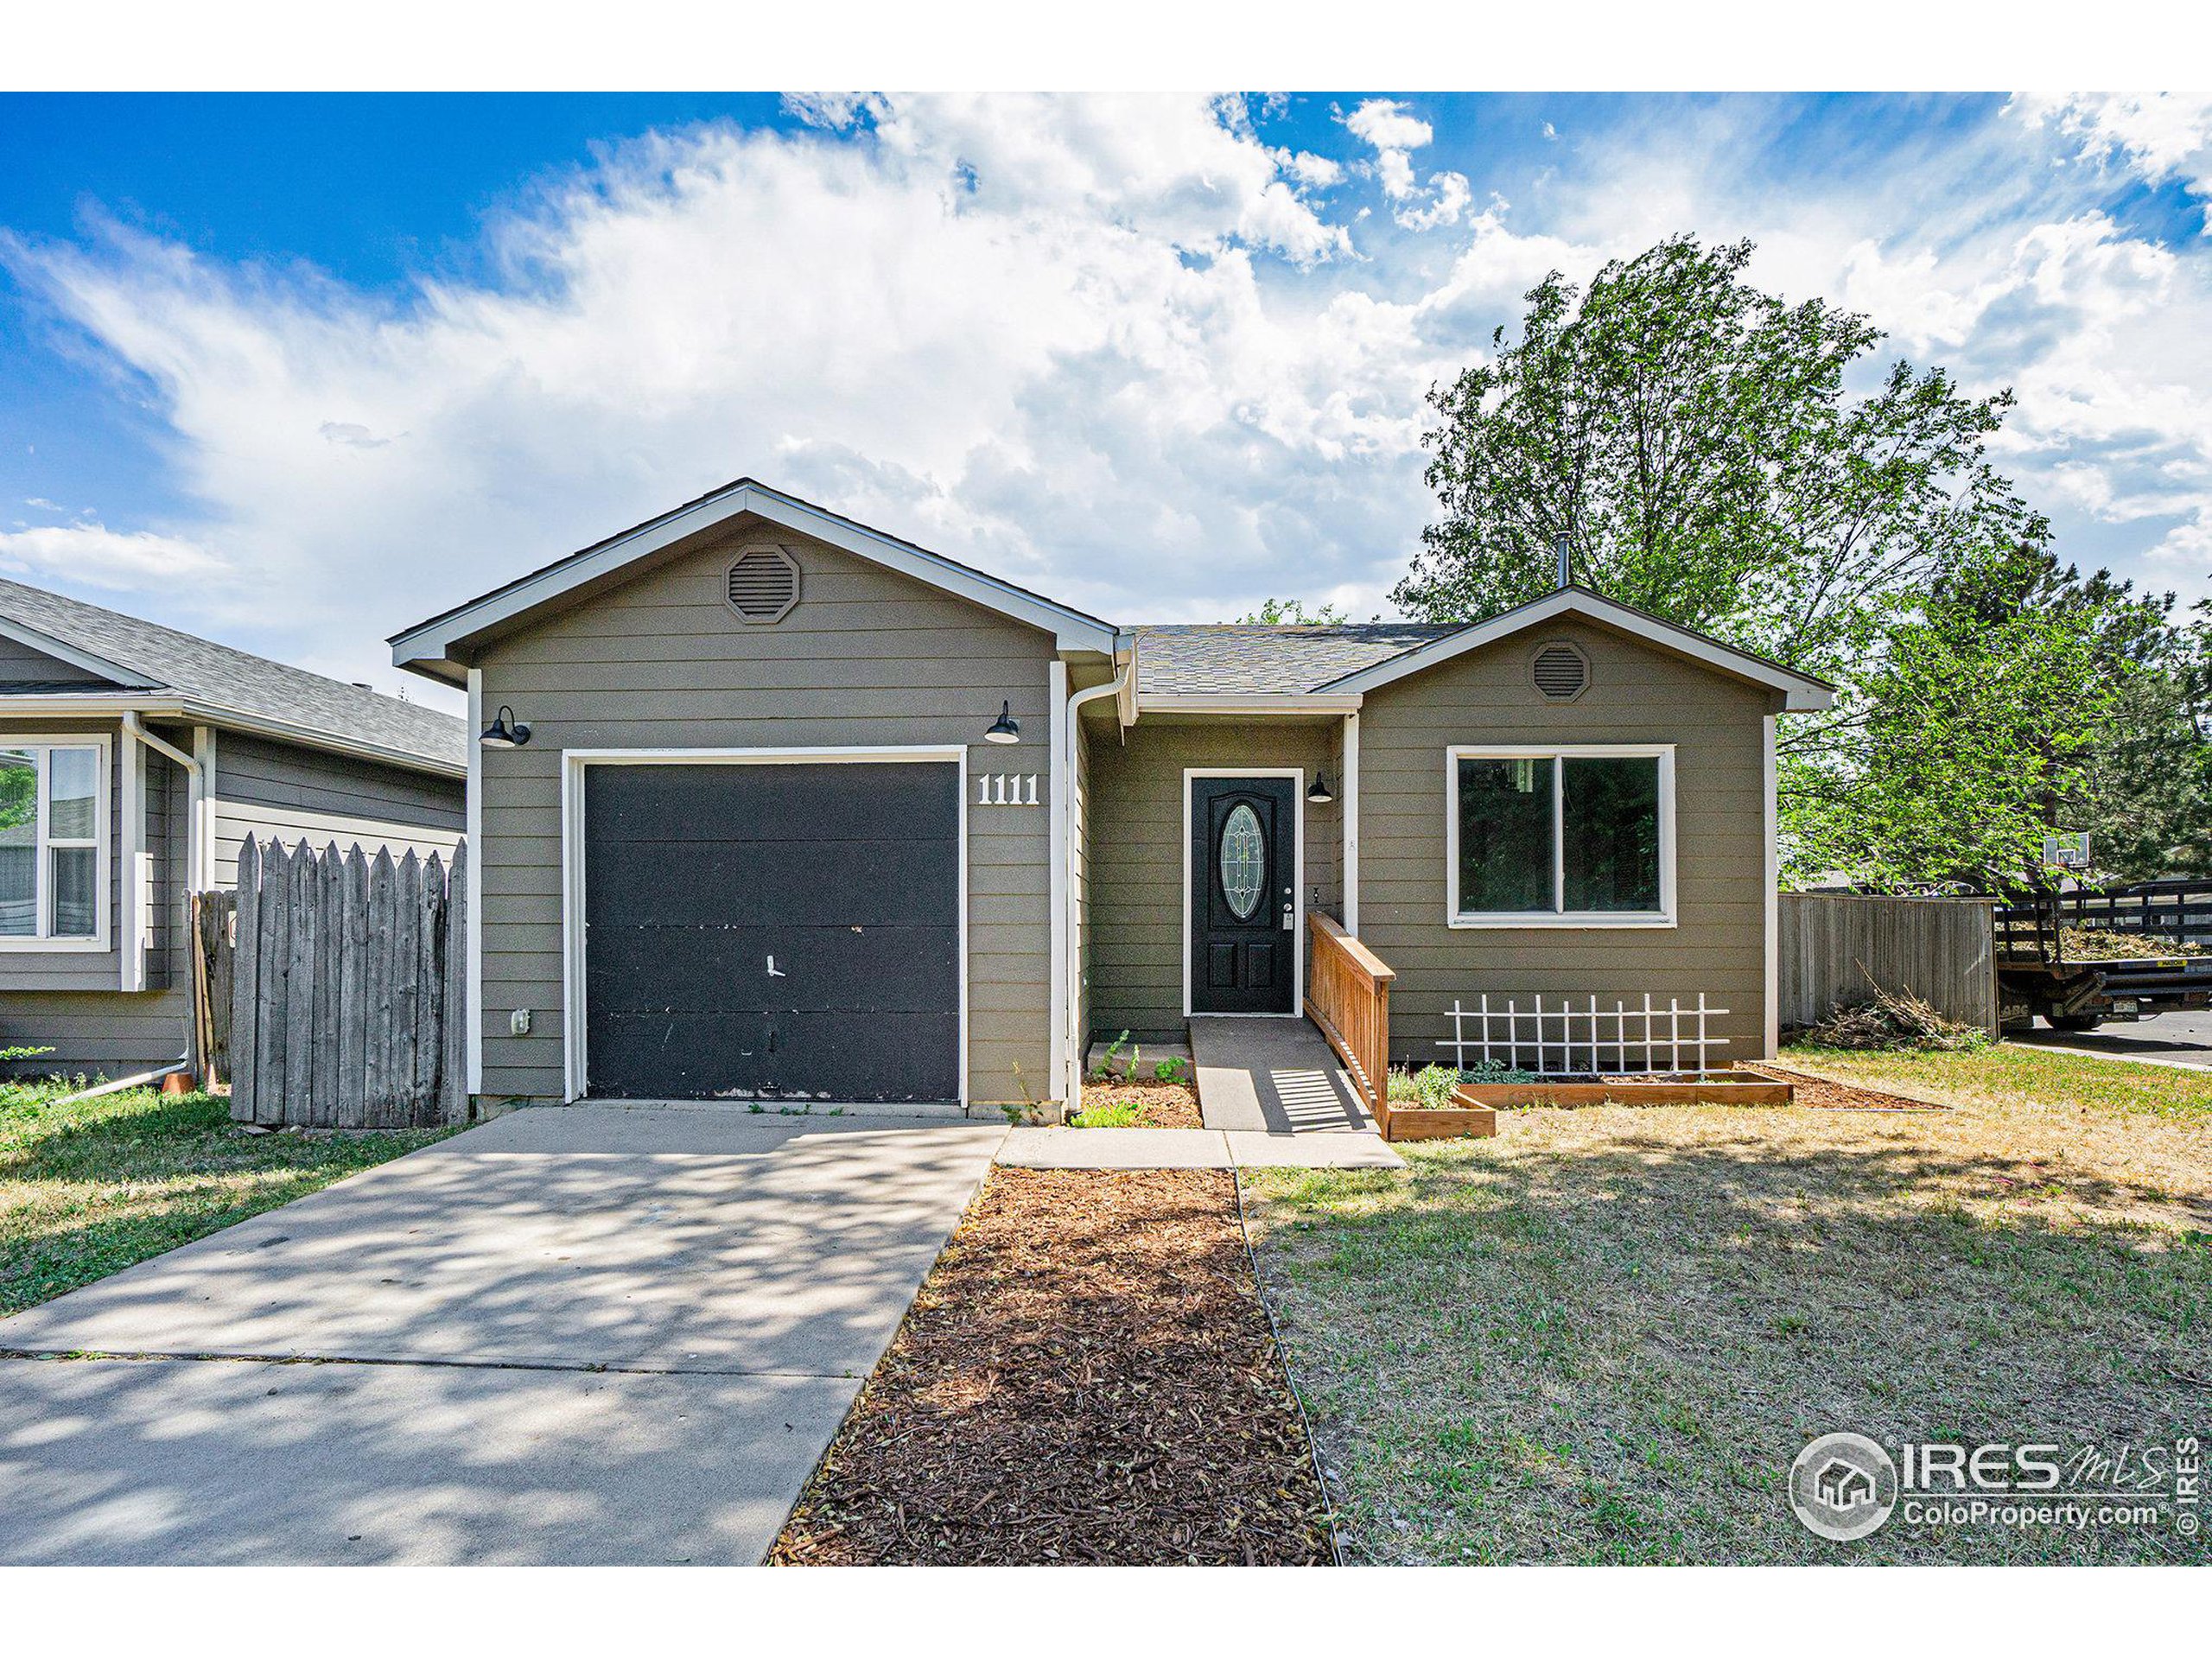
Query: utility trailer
x,y
2036,975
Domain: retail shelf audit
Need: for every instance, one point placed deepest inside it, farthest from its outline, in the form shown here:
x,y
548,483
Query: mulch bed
x,y
1160,1105
1087,1376
1823,1095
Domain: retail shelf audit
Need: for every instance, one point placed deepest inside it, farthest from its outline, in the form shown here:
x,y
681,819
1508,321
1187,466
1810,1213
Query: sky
x,y
297,372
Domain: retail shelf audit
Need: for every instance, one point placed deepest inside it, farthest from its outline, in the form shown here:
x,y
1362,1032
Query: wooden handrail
x,y
1348,995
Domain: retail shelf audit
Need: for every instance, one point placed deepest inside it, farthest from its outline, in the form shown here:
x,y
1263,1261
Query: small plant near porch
x,y
1134,1105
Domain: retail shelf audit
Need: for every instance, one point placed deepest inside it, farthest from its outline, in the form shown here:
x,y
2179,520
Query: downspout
x,y
193,833
1124,677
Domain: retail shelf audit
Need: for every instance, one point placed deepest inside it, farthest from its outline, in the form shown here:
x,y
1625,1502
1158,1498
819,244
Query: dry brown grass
x,y
1603,1335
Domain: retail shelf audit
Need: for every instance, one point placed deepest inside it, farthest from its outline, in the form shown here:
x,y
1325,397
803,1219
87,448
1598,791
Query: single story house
x,y
134,759
772,805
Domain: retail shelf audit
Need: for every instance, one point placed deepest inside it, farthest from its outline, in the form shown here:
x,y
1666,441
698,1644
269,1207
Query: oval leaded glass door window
x,y
1244,862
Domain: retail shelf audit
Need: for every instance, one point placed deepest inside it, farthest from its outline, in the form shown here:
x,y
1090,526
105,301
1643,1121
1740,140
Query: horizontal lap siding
x,y
94,1033
27,663
1134,837
1636,695
282,790
867,658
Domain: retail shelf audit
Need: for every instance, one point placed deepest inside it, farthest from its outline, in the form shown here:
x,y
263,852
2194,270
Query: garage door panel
x,y
860,800
792,1055
871,968
813,884
846,874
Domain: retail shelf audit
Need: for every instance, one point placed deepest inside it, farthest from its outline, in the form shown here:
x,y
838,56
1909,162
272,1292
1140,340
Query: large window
x,y
53,841
1560,837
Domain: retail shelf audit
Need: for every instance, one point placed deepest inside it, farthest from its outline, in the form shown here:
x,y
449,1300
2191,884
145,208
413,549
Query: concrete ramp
x,y
1274,1077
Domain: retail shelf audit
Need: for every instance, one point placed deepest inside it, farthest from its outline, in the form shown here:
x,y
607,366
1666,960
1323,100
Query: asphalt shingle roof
x,y
1228,658
224,678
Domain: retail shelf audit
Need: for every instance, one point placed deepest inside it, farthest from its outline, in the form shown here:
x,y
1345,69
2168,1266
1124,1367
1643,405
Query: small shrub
x,y
1171,1070
1118,1060
1893,1019
1496,1072
1111,1114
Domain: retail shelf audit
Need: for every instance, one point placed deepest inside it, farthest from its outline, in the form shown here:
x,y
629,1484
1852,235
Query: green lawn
x,y
1603,1335
2021,1075
90,1188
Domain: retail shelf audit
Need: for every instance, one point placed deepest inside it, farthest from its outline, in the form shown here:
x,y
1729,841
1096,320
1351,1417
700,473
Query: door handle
x,y
1289,917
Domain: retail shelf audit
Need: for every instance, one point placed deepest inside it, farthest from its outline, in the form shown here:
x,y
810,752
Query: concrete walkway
x,y
573,1335
1278,1076
1064,1148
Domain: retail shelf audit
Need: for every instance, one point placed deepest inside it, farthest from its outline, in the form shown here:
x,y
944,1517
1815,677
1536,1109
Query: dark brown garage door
x,y
772,931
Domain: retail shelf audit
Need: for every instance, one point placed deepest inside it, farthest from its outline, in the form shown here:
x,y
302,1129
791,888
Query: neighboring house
x,y
134,759
806,810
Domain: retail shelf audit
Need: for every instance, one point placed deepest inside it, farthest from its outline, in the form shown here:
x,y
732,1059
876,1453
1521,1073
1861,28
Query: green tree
x,y
1744,466
1295,611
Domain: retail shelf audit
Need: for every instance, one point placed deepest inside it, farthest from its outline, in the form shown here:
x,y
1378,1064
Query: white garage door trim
x,y
575,765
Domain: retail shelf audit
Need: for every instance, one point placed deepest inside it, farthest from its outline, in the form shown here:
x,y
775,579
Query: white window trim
x,y
576,764
1664,916
43,943
1297,775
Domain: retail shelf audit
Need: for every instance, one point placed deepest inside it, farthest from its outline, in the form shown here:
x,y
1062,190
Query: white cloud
x,y
1112,349
2158,135
1386,126
96,556
1067,340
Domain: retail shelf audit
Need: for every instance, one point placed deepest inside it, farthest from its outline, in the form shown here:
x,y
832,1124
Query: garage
x,y
766,928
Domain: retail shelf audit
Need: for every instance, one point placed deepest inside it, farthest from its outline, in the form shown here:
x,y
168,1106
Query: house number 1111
x,y
1006,789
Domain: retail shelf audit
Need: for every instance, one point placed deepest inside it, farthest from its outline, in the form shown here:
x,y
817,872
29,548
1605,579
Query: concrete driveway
x,y
579,1334
2183,1039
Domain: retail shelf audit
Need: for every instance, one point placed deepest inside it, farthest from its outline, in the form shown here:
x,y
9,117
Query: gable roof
x,y
1265,659
147,664
1800,691
439,646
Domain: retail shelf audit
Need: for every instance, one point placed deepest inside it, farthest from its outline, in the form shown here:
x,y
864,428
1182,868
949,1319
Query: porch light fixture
x,y
1006,728
505,732
1319,795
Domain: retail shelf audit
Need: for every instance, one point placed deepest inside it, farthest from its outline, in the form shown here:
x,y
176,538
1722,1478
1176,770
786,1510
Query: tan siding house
x,y
774,807
185,746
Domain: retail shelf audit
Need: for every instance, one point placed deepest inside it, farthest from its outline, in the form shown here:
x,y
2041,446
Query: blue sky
x,y
299,370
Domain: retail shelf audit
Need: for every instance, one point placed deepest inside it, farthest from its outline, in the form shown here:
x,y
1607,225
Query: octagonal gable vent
x,y
1561,671
763,584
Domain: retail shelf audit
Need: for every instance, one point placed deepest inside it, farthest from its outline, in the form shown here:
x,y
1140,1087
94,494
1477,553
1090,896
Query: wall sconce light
x,y
1319,795
505,732
1006,728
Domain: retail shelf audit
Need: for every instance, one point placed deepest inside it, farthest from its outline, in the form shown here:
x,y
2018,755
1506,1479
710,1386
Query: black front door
x,y
1242,898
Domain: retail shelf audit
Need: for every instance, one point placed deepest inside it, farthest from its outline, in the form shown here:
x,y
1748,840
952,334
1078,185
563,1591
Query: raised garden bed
x,y
1475,1106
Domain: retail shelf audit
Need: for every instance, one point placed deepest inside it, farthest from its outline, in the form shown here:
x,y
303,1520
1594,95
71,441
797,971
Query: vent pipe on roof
x,y
1565,569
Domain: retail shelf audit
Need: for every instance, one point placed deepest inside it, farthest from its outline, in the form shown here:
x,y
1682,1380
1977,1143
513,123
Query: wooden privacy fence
x,y
346,988
1836,948
1348,995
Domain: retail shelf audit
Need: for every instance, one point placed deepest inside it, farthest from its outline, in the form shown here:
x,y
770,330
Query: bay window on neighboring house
x,y
1575,836
53,843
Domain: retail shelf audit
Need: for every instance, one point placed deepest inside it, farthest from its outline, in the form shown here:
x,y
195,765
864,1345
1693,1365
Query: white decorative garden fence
x,y
1575,1035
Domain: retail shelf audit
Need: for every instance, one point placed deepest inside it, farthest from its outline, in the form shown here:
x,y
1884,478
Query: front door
x,y
1244,896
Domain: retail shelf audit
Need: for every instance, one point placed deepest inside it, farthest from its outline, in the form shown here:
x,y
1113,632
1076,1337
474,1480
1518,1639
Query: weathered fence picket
x,y
1835,948
342,982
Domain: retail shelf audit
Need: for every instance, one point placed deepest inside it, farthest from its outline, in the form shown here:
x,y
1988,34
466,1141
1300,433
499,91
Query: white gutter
x,y
201,712
1071,1040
